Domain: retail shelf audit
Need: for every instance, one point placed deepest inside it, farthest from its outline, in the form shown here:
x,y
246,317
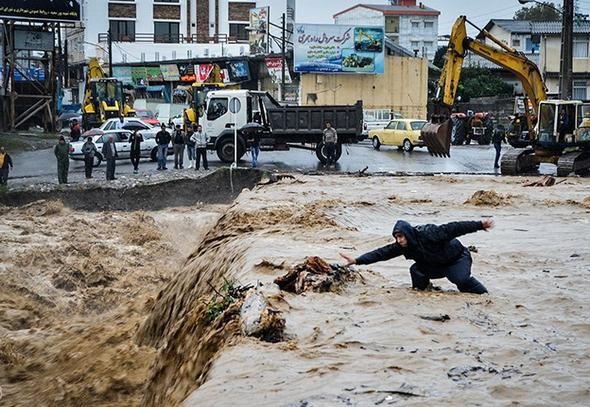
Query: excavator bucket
x,y
437,138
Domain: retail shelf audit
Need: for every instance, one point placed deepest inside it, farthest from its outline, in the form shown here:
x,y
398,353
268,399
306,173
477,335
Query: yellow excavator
x,y
552,139
198,93
103,97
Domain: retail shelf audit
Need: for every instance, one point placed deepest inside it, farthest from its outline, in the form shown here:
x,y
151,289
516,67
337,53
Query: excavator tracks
x,y
577,162
517,161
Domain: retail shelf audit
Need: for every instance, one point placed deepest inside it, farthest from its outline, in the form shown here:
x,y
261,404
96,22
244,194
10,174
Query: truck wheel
x,y
225,150
407,146
376,143
154,154
97,160
321,155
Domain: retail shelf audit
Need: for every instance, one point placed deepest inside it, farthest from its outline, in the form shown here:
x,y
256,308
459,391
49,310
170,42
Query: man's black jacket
x,y
163,138
428,245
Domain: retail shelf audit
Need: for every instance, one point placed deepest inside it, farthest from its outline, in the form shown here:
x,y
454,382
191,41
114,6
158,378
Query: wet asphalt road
x,y
40,166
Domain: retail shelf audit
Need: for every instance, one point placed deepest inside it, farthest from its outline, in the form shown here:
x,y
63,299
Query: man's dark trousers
x,y
458,273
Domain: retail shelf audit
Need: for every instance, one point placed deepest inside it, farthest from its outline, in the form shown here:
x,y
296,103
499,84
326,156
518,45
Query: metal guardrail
x,y
166,38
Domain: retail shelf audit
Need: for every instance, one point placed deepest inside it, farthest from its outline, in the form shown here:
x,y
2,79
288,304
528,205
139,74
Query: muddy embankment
x,y
215,188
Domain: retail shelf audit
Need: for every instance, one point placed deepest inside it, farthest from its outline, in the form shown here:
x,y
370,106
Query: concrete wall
x,y
403,87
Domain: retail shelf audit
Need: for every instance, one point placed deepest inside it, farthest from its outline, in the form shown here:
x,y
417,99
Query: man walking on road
x,y
436,252
62,151
89,150
135,140
109,152
163,139
5,163
200,138
330,139
178,148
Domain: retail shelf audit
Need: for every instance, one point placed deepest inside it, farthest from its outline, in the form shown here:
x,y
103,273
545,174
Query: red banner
x,y
203,71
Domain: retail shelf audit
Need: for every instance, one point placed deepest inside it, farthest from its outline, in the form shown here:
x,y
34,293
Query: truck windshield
x,y
217,108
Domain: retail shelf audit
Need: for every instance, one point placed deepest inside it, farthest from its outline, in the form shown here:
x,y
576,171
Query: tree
x,y
538,12
479,82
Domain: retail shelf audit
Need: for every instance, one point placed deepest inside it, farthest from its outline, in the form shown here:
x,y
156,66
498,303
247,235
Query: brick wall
x,y
240,11
167,12
122,10
202,21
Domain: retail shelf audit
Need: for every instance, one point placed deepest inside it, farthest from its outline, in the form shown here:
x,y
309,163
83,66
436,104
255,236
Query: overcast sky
x,y
477,11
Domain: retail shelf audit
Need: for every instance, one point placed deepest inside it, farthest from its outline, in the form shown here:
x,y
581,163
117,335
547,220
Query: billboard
x,y
46,10
331,48
274,66
258,36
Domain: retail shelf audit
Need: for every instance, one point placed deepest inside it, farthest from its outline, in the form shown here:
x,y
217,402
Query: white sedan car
x,y
131,123
148,147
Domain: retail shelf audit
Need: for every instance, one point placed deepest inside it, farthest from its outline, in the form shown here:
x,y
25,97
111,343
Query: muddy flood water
x,y
150,307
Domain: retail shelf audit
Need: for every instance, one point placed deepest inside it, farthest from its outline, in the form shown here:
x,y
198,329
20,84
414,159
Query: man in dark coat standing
x,y
498,137
62,153
436,252
135,140
163,140
5,166
89,150
109,152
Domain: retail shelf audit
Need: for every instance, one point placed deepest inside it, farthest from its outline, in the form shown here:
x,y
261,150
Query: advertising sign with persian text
x,y
45,10
331,48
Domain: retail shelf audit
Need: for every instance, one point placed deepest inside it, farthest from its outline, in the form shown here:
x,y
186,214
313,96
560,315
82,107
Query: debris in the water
x,y
314,274
259,320
545,181
439,318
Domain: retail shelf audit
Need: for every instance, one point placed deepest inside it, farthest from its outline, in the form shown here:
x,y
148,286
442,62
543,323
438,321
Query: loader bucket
x,y
437,138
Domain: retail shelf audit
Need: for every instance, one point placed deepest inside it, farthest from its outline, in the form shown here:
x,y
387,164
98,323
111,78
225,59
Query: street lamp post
x,y
567,43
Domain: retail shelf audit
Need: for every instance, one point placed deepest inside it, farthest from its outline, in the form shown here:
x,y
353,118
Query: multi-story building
x,y
160,30
541,43
413,26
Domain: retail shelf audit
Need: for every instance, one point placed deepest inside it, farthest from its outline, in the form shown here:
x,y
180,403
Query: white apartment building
x,y
160,30
413,26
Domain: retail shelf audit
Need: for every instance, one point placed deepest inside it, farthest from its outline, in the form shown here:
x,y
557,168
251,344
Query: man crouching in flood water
x,y
436,252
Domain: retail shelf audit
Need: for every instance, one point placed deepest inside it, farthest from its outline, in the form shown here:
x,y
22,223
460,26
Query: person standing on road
x,y
200,138
89,150
5,162
436,252
62,151
178,148
135,140
330,139
109,152
498,137
163,139
190,145
75,131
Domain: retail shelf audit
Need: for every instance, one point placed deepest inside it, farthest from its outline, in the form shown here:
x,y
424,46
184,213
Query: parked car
x,y
147,116
401,133
131,123
149,149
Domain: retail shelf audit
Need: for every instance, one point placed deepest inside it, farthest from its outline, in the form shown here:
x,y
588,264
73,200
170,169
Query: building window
x,y
415,44
428,24
166,32
238,31
515,42
580,90
415,24
122,30
581,48
166,1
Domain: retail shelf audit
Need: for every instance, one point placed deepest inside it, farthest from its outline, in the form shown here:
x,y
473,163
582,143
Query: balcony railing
x,y
166,38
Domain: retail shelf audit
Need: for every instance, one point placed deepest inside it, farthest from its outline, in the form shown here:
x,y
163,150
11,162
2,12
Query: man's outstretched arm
x,y
452,230
383,253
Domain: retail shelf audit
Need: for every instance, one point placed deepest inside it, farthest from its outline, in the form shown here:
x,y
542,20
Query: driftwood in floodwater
x,y
315,274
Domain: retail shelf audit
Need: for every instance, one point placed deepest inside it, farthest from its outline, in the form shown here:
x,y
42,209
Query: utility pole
x,y
567,43
110,43
283,55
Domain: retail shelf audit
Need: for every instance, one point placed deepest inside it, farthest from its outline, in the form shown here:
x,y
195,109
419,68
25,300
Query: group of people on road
x,y
194,140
